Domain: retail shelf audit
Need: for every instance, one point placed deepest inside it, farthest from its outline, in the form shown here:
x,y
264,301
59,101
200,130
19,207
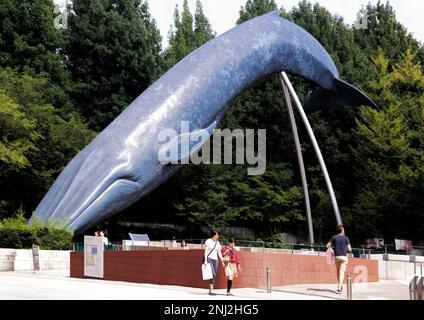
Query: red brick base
x,y
183,268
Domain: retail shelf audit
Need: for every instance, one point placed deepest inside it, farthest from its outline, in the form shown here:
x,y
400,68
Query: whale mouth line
x,y
126,179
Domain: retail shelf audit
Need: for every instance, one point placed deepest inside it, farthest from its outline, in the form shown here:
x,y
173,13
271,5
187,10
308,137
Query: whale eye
x,y
130,177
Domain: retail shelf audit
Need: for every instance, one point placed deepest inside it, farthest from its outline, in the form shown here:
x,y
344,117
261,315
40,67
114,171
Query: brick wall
x,y
183,267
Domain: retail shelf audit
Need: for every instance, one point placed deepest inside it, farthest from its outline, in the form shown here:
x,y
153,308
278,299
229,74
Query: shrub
x,y
16,233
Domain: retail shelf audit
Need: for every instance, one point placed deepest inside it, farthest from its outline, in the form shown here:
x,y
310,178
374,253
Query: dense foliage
x,y
17,234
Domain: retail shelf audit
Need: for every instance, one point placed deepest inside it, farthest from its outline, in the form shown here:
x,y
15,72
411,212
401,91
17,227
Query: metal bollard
x,y
349,286
420,288
416,285
413,288
268,280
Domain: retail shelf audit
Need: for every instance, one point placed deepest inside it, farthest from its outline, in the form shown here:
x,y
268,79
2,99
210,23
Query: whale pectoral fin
x,y
185,144
344,94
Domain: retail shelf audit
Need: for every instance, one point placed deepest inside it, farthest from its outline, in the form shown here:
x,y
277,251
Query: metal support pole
x,y
349,286
299,160
315,145
268,280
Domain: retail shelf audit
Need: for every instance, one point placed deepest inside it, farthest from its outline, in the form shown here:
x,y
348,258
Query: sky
x,y
223,14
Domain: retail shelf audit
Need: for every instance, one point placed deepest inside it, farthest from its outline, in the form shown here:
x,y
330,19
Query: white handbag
x,y
330,256
207,271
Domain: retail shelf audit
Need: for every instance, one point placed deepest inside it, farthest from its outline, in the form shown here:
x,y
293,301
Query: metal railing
x,y
132,245
315,249
259,245
391,249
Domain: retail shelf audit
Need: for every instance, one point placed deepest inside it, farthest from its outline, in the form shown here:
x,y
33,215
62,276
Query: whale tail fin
x,y
343,94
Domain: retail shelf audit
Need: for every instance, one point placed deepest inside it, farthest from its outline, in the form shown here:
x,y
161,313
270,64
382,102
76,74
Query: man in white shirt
x,y
104,239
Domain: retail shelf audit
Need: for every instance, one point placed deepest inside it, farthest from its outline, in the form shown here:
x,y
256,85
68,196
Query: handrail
x,y
318,249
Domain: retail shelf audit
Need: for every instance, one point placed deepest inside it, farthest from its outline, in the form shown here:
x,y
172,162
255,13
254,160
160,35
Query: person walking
x,y
232,263
184,245
341,245
105,240
212,253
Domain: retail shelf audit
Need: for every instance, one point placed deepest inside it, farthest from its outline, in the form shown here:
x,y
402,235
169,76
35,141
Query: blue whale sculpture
x,y
121,164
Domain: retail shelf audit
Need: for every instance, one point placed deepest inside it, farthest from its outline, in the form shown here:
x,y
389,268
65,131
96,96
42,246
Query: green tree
x,y
186,26
389,153
351,50
181,37
224,195
17,132
30,43
187,34
28,39
336,37
384,31
254,8
113,51
36,141
202,28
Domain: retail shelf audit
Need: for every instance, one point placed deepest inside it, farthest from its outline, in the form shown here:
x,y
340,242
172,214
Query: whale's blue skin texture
x,y
121,164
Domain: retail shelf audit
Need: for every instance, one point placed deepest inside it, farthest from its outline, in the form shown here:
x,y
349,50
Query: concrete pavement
x,y
382,290
57,285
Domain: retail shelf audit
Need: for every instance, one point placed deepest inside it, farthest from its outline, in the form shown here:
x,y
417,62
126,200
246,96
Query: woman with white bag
x,y
212,253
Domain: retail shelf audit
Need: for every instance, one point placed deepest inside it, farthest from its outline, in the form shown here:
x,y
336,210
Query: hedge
x,y
16,233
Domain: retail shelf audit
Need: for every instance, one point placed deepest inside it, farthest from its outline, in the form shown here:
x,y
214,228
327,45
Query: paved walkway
x,y
57,285
382,290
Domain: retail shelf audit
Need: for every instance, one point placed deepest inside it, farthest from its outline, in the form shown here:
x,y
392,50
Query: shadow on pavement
x,y
321,290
